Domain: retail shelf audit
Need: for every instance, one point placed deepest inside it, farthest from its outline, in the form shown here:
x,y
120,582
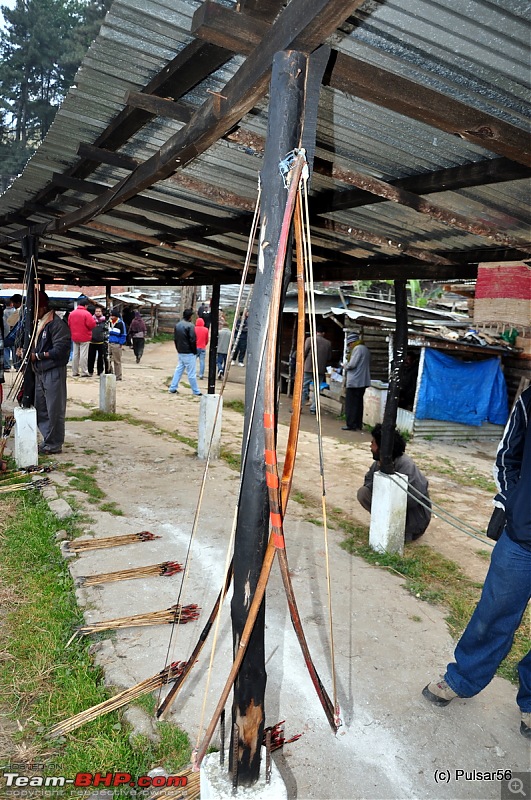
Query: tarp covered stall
x,y
468,392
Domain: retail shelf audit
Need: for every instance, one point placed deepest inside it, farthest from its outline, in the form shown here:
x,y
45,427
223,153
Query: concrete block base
x,y
108,393
26,452
388,513
216,783
208,423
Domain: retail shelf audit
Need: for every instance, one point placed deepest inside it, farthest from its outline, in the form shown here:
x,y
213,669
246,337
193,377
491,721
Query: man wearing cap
x,y
358,377
49,358
81,322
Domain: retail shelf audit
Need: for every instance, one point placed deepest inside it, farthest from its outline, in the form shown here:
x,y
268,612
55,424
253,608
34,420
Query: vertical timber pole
x,y
399,356
214,330
286,110
30,249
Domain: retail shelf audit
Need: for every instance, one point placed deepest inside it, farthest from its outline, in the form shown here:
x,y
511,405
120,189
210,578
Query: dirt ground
x,y
388,644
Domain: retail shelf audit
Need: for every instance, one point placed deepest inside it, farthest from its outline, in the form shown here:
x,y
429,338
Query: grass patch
x,y
430,577
112,508
83,480
161,337
235,405
42,682
465,476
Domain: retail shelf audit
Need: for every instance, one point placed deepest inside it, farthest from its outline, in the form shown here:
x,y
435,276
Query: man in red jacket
x,y
81,322
201,336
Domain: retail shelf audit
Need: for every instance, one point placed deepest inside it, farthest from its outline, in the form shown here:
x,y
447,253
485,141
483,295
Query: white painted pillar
x,y
26,451
216,783
388,513
108,393
208,422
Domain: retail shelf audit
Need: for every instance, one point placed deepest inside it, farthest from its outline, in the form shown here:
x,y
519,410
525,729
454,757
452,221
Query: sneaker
x,y
525,724
439,693
232,363
173,391
197,394
241,364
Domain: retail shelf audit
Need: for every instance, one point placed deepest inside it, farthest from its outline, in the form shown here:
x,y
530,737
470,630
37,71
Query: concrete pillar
x,y
207,417
216,783
26,452
388,513
108,393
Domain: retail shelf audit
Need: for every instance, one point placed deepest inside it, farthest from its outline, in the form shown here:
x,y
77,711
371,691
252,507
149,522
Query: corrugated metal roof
x,y
193,225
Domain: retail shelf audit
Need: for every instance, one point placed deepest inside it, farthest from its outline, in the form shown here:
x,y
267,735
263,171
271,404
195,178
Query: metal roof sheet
x,y
192,225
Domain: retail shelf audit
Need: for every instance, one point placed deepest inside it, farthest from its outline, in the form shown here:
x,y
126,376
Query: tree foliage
x,y
41,48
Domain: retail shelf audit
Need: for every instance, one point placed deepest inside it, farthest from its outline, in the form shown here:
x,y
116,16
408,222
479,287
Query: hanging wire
x,y
443,514
187,563
317,399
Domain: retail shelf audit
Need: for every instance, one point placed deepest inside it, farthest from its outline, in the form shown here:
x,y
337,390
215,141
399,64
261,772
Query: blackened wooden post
x,y
399,356
285,115
30,253
213,343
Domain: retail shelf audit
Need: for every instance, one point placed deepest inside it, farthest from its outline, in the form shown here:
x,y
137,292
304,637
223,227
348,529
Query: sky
x,y
11,4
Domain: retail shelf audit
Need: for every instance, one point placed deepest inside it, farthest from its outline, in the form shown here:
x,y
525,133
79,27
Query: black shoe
x,y
525,724
346,428
49,451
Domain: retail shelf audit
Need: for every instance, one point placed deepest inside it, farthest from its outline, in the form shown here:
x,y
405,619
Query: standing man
x,y
324,359
117,339
186,346
223,348
489,635
49,359
97,343
81,323
240,339
358,377
417,516
11,317
201,338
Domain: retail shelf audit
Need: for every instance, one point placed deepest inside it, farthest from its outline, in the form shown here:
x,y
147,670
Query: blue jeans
x,y
186,362
221,361
489,634
201,357
307,381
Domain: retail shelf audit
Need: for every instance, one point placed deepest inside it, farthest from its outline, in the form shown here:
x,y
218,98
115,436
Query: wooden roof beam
x,y
308,21
226,28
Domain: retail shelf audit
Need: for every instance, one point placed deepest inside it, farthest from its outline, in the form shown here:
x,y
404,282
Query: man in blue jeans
x,y
489,634
186,345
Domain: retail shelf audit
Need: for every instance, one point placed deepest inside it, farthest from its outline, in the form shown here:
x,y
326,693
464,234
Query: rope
x,y
308,264
443,514
173,637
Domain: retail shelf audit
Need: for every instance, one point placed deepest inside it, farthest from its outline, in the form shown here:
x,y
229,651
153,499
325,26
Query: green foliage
x,y
41,48
43,682
235,405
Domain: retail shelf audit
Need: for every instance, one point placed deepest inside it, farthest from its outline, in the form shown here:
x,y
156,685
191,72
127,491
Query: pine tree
x,y
41,48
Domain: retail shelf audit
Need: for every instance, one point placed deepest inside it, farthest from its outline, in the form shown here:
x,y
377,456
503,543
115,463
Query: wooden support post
x,y
399,356
285,116
213,344
30,247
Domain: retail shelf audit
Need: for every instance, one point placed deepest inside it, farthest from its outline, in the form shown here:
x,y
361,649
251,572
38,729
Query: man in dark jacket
x,y
185,343
323,350
49,359
418,516
507,589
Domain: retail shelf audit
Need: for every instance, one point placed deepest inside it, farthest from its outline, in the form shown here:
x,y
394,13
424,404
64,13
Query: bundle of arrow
x,y
110,541
163,677
167,568
175,614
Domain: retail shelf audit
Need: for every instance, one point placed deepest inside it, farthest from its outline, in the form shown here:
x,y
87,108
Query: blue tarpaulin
x,y
470,392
